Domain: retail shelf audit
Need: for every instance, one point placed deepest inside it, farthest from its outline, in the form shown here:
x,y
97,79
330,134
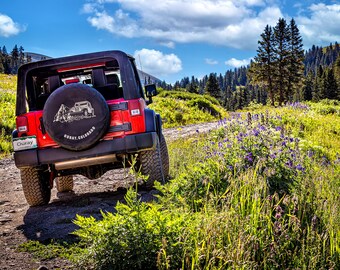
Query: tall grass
x,y
249,195
7,112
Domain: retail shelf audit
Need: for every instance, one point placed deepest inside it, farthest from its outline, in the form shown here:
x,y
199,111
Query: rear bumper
x,y
129,144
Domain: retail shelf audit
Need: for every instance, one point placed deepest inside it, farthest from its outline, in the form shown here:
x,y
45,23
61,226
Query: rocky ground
x,y
19,222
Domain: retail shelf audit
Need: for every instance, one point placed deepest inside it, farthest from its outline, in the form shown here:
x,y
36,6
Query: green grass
x,y
181,108
7,112
250,195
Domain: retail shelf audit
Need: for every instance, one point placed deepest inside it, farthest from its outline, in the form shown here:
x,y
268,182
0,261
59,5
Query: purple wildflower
x,y
249,157
300,168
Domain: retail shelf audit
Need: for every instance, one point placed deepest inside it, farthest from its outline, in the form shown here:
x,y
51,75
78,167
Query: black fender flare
x,y
153,122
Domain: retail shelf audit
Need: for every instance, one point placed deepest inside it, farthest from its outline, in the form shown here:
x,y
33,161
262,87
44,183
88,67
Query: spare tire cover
x,y
76,116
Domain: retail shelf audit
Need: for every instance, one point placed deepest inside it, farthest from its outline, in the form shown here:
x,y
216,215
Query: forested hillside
x,y
280,72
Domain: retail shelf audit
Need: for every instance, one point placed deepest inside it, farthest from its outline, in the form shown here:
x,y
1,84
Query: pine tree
x,y
308,88
295,58
212,86
21,56
2,59
262,69
317,93
14,60
281,45
330,85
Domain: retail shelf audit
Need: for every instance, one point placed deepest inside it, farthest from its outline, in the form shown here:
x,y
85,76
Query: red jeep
x,y
84,114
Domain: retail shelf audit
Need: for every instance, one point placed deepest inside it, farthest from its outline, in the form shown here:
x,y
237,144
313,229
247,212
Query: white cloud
x,y
321,26
8,27
89,8
157,63
233,62
168,44
211,61
231,23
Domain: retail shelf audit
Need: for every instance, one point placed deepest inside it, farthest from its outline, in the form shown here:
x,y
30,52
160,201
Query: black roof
x,y
129,75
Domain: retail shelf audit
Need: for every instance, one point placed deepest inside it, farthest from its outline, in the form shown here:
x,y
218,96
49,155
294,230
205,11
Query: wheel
x,y
64,183
36,186
164,156
151,166
77,131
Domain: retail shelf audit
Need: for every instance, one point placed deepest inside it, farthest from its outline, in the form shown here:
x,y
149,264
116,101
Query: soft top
x,y
129,75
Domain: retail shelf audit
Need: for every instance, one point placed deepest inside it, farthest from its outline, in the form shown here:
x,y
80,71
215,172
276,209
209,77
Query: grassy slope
x,y
7,111
182,108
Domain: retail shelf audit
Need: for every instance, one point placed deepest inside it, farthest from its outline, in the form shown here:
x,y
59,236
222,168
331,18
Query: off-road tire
x,y
151,166
165,157
36,187
64,183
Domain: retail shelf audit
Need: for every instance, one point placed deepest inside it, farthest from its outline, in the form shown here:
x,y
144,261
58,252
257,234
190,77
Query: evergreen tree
x,y
6,60
295,58
281,45
317,93
21,56
2,59
330,85
212,87
14,60
192,87
262,70
308,88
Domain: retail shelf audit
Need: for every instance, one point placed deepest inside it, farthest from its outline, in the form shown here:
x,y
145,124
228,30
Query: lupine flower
x,y
300,168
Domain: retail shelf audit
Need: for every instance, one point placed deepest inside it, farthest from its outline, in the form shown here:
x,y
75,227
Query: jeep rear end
x,y
84,114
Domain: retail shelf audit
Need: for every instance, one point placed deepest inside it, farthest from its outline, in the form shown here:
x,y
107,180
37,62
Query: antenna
x,y
141,69
140,63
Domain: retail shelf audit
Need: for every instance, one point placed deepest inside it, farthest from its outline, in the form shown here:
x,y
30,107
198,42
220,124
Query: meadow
x,y
260,192
7,112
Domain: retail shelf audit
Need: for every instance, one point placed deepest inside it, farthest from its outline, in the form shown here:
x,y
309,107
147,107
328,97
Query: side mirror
x,y
150,90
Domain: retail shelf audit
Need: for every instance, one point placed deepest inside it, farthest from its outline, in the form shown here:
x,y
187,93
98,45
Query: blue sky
x,y
170,38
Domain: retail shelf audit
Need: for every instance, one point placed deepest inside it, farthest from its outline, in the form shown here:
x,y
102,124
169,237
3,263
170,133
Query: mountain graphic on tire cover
x,y
80,110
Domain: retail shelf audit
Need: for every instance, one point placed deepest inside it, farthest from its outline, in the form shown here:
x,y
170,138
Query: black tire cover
x,y
76,116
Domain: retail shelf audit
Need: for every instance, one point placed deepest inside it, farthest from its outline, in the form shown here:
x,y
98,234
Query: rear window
x,y
103,76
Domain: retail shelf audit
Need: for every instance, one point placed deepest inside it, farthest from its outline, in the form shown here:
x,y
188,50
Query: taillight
x,y
22,125
135,108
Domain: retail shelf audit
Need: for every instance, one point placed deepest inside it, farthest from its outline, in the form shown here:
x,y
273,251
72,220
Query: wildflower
x,y
273,156
256,132
289,163
300,168
262,128
197,131
249,157
310,153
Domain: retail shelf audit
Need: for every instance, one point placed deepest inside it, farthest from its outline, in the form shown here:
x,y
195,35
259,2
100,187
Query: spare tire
x,y
76,116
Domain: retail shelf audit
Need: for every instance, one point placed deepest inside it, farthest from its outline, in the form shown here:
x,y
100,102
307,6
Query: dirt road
x,y
19,223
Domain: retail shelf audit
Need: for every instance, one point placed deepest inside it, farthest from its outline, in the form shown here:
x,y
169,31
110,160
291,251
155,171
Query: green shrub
x,y
246,196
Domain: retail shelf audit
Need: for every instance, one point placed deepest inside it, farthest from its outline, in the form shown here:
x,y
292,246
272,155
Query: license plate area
x,y
24,143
